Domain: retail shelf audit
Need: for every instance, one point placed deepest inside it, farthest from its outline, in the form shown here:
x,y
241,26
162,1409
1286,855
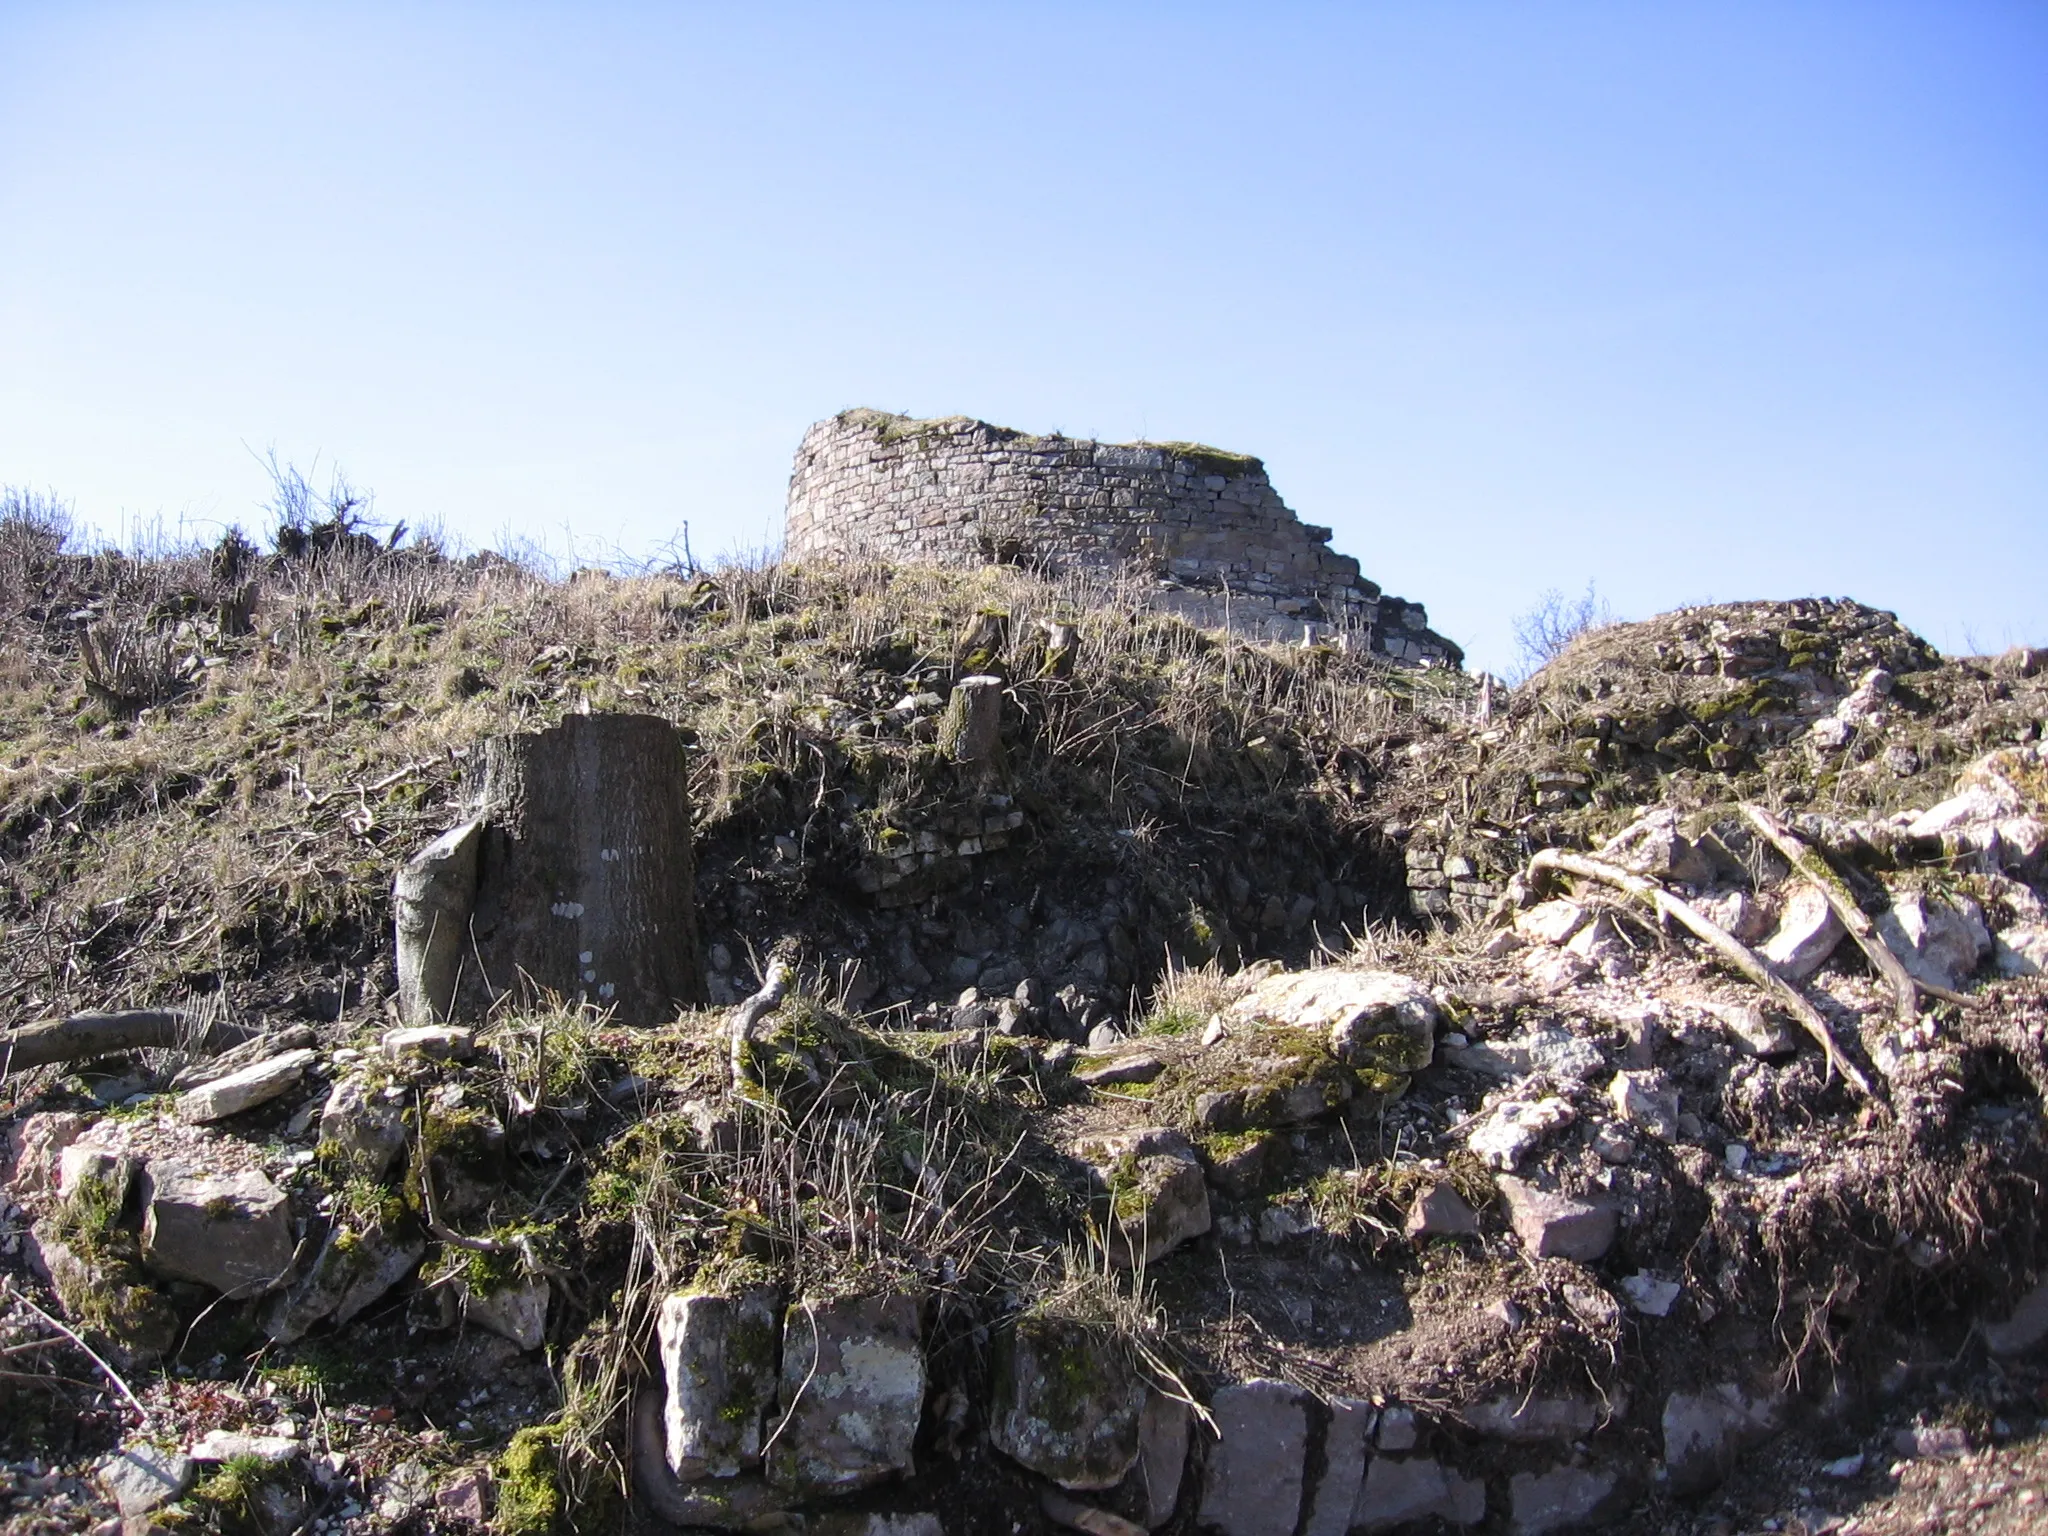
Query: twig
x,y
1724,943
774,987
435,1225
7,1288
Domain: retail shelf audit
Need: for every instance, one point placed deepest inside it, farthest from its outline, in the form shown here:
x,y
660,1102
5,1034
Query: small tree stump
x,y
584,886
969,729
432,897
1062,646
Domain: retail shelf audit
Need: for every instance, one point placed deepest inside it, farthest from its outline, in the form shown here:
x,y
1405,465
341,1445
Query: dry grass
x,y
287,730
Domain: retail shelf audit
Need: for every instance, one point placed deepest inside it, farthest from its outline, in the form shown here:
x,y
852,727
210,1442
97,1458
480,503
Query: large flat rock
x,y
232,1231
1253,1483
851,1395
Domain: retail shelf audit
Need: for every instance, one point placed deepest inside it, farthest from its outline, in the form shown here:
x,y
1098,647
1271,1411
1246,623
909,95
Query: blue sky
x,y
1691,301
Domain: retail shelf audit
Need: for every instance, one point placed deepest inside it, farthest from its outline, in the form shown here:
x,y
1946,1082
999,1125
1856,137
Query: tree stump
x,y
970,729
585,884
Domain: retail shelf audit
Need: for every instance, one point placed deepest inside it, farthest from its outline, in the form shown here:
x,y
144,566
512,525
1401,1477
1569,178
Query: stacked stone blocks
x,y
957,491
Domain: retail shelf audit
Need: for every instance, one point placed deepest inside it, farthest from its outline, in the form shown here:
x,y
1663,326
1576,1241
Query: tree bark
x,y
585,883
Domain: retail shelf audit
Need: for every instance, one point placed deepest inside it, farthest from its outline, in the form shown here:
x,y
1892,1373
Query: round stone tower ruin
x,y
1205,525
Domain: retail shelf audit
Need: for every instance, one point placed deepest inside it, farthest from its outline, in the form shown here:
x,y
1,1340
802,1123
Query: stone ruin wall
x,y
1208,525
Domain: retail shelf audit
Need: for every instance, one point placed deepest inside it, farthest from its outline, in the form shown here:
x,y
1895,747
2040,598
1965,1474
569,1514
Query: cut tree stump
x,y
584,881
970,729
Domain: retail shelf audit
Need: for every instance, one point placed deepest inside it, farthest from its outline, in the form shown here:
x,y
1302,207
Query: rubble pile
x,y
1713,1122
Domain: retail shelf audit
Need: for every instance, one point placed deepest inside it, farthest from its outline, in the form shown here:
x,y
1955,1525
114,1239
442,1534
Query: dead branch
x,y
774,987
1731,949
104,1034
436,1227
1819,870
7,1288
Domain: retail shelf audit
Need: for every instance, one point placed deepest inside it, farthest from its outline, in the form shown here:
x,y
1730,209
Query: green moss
x,y
530,1482
1266,1072
89,1224
1081,1368
1222,1146
232,1487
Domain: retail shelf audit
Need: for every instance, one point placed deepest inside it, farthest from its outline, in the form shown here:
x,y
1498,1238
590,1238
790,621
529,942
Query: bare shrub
x,y
1542,632
35,528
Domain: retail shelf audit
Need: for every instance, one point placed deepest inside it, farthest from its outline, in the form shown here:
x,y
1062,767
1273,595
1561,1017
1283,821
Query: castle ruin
x,y
1207,525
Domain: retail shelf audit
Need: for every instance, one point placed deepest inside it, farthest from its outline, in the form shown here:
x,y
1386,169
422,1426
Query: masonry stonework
x,y
1206,525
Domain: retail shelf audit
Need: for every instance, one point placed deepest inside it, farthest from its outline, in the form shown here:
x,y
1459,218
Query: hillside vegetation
x,y
1271,1076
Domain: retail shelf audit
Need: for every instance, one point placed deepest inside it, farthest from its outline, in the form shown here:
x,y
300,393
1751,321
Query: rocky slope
x,y
1103,1167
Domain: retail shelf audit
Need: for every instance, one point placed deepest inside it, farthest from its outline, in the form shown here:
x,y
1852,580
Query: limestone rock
x,y
1531,1420
2027,1326
518,1311
104,1295
1067,1403
1760,1034
1253,1483
1158,1196
1652,845
1440,1211
1939,942
437,1042
361,1129
1279,1088
1552,971
206,1069
1601,945
1379,1022
1120,1067
1735,912
142,1478
1551,922
1806,935
1398,1430
1512,1129
718,1357
1162,1455
1555,1226
256,1084
355,1266
1241,1165
1401,1491
38,1142
970,730
1558,1054
852,1391
218,1445
2022,950
1992,821
432,897
1705,1431
82,1163
1649,1295
1335,1494
1564,1499
465,1497
1646,1101
232,1231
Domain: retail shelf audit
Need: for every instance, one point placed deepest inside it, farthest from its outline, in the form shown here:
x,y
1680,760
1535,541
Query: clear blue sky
x,y
1696,301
